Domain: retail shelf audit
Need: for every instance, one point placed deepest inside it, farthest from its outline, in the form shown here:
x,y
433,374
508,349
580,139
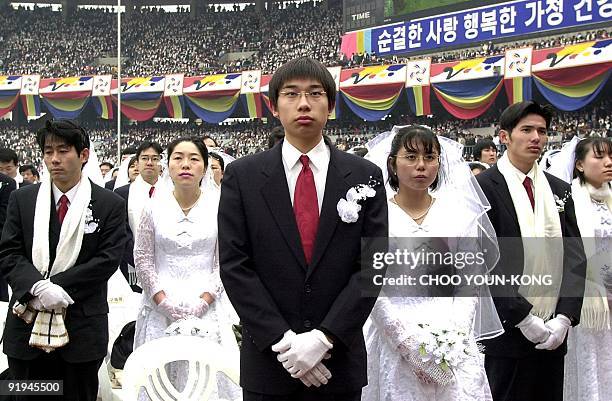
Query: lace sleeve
x,y
144,255
216,284
388,322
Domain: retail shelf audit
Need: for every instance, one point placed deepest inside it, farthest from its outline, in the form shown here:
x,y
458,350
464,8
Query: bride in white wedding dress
x,y
432,200
176,259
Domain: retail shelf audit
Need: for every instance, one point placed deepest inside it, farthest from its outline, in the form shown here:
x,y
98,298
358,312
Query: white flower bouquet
x,y
436,352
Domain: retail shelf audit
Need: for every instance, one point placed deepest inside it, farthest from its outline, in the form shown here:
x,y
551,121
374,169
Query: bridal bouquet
x,y
436,351
193,326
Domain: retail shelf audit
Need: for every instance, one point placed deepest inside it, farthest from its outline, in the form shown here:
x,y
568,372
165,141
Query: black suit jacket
x,y
7,185
128,254
266,277
86,320
511,306
110,184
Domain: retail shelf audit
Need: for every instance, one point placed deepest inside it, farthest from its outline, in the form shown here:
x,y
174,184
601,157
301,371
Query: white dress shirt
x,y
57,194
521,176
319,162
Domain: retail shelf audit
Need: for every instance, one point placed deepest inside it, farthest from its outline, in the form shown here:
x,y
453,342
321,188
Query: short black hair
x,y
67,130
482,145
110,165
275,136
478,166
133,161
29,167
8,155
305,68
130,150
148,145
198,142
598,144
218,158
205,137
360,151
517,111
409,138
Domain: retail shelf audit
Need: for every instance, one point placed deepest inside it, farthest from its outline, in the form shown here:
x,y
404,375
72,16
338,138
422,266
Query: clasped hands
x,y
48,296
549,335
175,311
302,355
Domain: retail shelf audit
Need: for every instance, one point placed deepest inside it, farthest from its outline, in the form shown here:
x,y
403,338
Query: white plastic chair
x,y
145,367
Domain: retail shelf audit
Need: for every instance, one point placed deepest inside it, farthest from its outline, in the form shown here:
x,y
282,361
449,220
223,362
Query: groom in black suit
x,y
526,362
289,263
80,289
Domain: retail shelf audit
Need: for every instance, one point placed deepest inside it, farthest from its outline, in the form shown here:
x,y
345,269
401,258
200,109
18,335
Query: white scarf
x,y
137,199
49,331
542,257
595,311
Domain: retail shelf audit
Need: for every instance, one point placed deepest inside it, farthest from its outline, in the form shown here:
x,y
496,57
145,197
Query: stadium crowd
x,y
247,137
156,42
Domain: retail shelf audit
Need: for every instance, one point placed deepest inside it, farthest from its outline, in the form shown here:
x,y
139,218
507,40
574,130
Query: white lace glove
x,y
305,352
171,310
197,308
317,376
534,329
558,327
51,295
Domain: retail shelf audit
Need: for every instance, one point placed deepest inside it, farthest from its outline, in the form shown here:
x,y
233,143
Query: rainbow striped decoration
x,y
65,105
372,103
356,42
468,99
140,106
8,100
31,105
419,100
518,89
573,88
103,106
252,104
214,106
175,106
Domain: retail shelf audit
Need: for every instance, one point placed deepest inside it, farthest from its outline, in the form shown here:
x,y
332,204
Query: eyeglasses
x,y
152,159
413,160
294,95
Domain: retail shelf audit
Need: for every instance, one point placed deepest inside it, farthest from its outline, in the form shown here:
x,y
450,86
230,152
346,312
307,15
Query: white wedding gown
x,y
588,363
178,254
390,376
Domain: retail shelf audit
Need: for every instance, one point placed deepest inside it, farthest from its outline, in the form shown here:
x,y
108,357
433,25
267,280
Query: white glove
x,y
533,329
285,343
197,308
558,327
316,376
171,310
51,295
36,304
305,352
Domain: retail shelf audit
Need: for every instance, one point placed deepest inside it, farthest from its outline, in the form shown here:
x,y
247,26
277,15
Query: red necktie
x,y
527,185
151,191
63,208
306,207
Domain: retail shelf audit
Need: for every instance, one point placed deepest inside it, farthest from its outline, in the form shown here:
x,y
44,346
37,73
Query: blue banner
x,y
482,24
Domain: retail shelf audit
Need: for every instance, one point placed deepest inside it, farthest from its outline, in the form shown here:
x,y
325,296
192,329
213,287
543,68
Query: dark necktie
x,y
63,208
527,185
306,207
151,191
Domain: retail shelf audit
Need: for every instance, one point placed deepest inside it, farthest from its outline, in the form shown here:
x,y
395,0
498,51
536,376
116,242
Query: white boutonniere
x,y
91,224
349,208
560,203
